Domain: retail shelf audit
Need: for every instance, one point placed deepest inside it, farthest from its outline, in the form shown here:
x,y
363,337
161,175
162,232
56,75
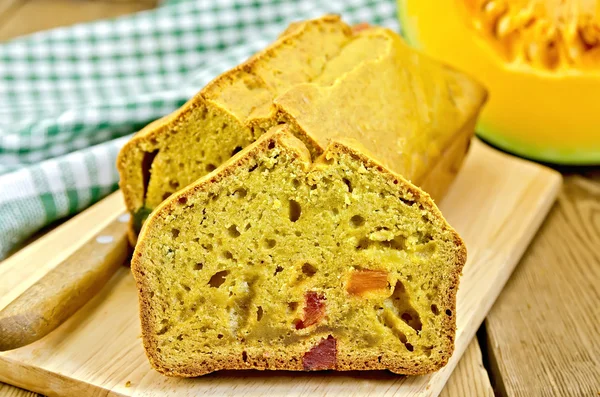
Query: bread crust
x,y
279,135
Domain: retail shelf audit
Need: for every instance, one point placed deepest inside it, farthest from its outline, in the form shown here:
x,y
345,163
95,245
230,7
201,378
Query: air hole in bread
x,y
198,266
237,149
233,231
227,255
406,201
210,167
406,317
271,145
434,309
347,182
278,269
220,336
166,195
363,244
449,312
292,306
424,238
357,221
164,329
386,320
295,211
270,243
296,183
244,356
186,288
398,243
400,301
259,313
147,161
240,193
218,279
309,270
175,232
409,346
174,184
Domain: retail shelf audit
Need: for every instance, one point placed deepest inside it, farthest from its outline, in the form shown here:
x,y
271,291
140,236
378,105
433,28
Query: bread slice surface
x,y
274,261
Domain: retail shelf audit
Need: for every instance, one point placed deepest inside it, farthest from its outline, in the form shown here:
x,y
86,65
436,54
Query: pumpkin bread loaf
x,y
325,82
275,261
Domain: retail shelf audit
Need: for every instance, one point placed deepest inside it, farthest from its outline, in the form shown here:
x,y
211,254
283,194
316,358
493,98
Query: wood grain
x,y
33,15
8,8
544,330
11,391
469,379
496,204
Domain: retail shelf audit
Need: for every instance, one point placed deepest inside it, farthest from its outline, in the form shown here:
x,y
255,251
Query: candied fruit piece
x,y
360,26
322,356
314,309
362,281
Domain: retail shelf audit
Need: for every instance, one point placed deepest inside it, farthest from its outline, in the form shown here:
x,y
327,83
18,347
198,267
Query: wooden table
x,y
542,337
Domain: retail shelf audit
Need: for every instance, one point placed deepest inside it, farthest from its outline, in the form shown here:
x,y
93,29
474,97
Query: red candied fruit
x,y
314,310
322,356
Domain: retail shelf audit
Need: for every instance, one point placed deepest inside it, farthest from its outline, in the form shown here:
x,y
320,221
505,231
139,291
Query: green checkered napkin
x,y
71,97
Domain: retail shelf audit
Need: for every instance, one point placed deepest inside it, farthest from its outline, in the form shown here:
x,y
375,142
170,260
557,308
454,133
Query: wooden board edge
x,y
469,378
20,375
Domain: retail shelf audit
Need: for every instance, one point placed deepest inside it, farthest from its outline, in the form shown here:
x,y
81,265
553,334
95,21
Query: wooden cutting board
x,y
497,203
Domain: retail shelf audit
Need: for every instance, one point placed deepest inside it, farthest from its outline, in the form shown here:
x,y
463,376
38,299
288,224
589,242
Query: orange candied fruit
x,y
363,281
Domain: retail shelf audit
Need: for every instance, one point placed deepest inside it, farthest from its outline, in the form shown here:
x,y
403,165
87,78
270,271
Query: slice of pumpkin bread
x,y
275,261
176,150
414,115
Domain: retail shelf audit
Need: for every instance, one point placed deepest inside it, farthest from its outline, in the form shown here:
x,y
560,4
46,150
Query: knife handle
x,y
62,291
